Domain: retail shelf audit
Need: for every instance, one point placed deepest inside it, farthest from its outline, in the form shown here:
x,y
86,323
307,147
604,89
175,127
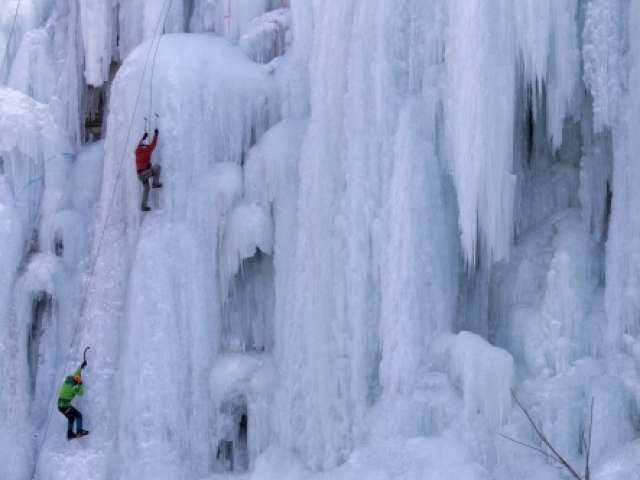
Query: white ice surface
x,y
348,193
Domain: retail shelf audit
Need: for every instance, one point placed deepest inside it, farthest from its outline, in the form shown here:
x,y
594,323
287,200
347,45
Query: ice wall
x,y
10,256
348,187
44,59
43,292
19,21
357,293
111,30
230,18
129,254
622,266
31,140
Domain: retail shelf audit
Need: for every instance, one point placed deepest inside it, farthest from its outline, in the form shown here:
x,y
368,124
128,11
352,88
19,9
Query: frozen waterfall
x,y
378,220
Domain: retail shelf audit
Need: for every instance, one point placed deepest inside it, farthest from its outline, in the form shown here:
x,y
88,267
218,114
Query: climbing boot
x,y
71,435
157,185
145,209
82,433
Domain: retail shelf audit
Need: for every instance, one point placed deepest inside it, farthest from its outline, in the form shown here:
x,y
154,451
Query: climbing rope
x,y
153,63
40,178
101,238
13,25
56,211
227,17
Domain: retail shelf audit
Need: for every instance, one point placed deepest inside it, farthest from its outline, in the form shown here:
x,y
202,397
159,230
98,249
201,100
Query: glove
x,y
156,131
145,135
84,364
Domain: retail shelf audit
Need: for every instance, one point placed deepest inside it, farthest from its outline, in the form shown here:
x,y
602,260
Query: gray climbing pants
x,y
144,176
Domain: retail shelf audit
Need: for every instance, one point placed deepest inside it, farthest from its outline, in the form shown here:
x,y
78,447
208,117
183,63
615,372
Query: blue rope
x,y
41,177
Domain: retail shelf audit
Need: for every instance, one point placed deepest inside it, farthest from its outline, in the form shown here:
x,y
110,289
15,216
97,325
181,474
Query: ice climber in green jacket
x,y
71,387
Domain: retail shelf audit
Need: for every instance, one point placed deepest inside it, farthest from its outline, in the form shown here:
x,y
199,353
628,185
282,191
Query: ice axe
x,y
85,357
146,121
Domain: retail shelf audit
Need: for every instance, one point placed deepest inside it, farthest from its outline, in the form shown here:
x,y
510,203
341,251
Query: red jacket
x,y
143,154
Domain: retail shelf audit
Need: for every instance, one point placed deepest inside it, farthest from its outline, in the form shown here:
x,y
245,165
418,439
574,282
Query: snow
x,y
378,221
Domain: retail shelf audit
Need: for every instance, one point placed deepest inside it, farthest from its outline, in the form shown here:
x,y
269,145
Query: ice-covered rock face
x,y
350,189
45,233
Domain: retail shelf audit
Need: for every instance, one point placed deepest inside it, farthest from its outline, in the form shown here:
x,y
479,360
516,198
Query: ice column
x,y
479,53
419,285
99,32
169,342
321,365
623,247
361,255
547,41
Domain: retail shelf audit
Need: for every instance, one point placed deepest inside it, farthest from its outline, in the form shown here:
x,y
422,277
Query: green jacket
x,y
69,390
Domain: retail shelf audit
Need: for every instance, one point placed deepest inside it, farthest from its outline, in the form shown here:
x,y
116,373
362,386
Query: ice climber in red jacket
x,y
145,169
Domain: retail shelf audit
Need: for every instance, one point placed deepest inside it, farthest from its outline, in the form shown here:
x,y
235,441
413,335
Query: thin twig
x,y
587,473
544,439
532,448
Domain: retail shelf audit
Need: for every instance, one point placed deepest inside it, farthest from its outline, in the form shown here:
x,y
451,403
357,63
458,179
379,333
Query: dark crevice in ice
x,y
41,312
58,246
232,454
248,323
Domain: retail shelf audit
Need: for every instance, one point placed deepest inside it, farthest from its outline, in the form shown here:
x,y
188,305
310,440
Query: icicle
x,y
547,40
248,229
98,19
479,120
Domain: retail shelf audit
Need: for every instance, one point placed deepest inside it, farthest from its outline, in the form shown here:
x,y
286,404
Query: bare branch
x,y
587,473
544,439
586,457
532,448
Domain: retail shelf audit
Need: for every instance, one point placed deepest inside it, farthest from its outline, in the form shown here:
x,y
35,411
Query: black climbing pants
x,y
144,176
72,415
